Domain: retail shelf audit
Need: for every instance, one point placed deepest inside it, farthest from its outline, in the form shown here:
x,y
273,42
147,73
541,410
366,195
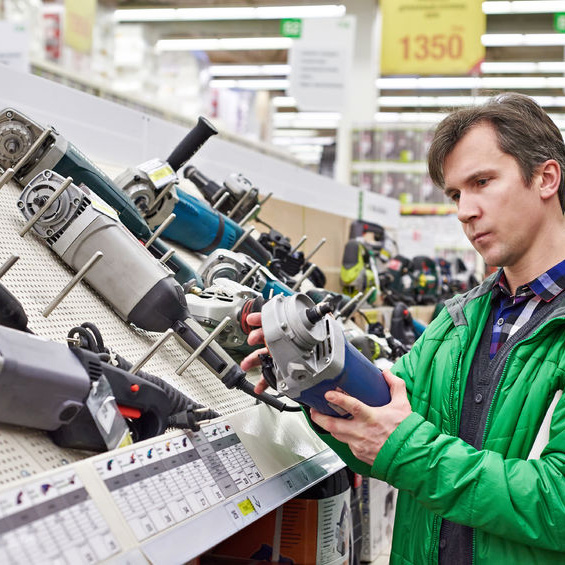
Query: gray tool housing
x,y
77,225
19,133
226,264
304,354
43,387
139,186
224,298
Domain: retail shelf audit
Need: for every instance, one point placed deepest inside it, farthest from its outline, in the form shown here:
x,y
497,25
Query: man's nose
x,y
467,208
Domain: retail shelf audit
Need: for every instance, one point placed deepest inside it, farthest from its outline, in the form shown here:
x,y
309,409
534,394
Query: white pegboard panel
x,y
36,278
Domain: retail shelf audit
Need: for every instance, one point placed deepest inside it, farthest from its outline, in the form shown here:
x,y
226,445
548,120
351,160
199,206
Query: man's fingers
x,y
254,319
256,337
350,404
261,386
252,360
396,384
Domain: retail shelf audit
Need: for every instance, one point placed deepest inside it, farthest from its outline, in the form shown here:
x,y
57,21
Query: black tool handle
x,y
12,314
191,143
208,188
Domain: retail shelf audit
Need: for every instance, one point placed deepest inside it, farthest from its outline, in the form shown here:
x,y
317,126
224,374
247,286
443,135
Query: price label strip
x,y
53,520
164,483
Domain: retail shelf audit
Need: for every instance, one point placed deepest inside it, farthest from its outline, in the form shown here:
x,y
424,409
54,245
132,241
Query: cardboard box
x,y
378,504
302,531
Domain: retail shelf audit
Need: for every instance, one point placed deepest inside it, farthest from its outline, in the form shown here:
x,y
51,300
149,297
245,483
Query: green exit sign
x,y
559,22
291,27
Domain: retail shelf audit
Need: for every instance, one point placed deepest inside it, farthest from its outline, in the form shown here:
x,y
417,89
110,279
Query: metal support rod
x,y
242,238
154,348
160,230
250,214
196,353
7,176
167,256
302,240
8,264
350,304
32,221
73,282
362,301
221,200
42,137
240,203
320,243
255,268
265,199
303,276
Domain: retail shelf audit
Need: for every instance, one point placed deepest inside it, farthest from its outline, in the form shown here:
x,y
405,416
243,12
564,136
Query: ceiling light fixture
x,y
470,83
524,7
251,84
248,70
522,39
218,14
224,44
500,67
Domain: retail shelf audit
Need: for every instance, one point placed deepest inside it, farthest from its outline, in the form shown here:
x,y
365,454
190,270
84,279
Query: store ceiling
x,y
500,24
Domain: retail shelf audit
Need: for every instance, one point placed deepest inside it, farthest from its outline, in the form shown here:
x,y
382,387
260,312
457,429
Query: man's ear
x,y
549,178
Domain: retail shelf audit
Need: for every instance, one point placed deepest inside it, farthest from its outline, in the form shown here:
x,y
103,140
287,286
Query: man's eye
x,y
482,182
454,196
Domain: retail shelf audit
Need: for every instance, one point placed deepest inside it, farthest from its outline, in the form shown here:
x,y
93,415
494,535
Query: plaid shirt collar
x,y
547,286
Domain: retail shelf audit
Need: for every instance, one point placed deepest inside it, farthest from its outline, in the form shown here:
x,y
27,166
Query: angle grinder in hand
x,y
309,356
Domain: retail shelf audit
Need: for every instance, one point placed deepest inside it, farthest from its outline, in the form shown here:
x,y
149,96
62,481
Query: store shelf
x,y
56,504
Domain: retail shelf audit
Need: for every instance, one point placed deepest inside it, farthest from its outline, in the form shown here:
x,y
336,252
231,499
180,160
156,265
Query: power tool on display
x,y
309,355
368,247
153,187
30,148
83,402
142,291
237,196
287,261
240,267
226,298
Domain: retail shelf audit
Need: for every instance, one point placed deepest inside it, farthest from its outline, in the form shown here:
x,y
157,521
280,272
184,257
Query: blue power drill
x,y
153,187
309,356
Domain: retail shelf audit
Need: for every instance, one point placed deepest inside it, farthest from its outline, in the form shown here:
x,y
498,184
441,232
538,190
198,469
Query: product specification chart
x,y
53,520
160,485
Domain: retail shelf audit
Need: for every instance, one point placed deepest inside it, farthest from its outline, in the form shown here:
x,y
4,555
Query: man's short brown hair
x,y
523,129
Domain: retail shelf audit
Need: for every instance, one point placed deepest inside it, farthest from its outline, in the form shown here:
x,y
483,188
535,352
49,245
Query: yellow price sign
x,y
431,37
80,16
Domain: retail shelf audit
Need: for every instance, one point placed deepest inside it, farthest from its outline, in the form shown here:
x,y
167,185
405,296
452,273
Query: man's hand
x,y
252,360
368,429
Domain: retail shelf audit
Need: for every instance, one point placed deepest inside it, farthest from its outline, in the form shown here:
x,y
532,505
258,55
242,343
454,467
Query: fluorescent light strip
x,y
409,117
293,133
488,67
283,102
298,140
469,83
522,39
248,70
455,101
216,14
224,44
251,84
524,7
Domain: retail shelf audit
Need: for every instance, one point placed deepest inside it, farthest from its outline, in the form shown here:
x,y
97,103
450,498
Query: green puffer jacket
x,y
515,505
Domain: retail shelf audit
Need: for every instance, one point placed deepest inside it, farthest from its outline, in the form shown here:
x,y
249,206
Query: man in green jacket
x,y
474,436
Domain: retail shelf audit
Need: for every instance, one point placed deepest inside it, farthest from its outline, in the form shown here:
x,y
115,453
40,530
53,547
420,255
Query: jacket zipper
x,y
495,397
452,418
